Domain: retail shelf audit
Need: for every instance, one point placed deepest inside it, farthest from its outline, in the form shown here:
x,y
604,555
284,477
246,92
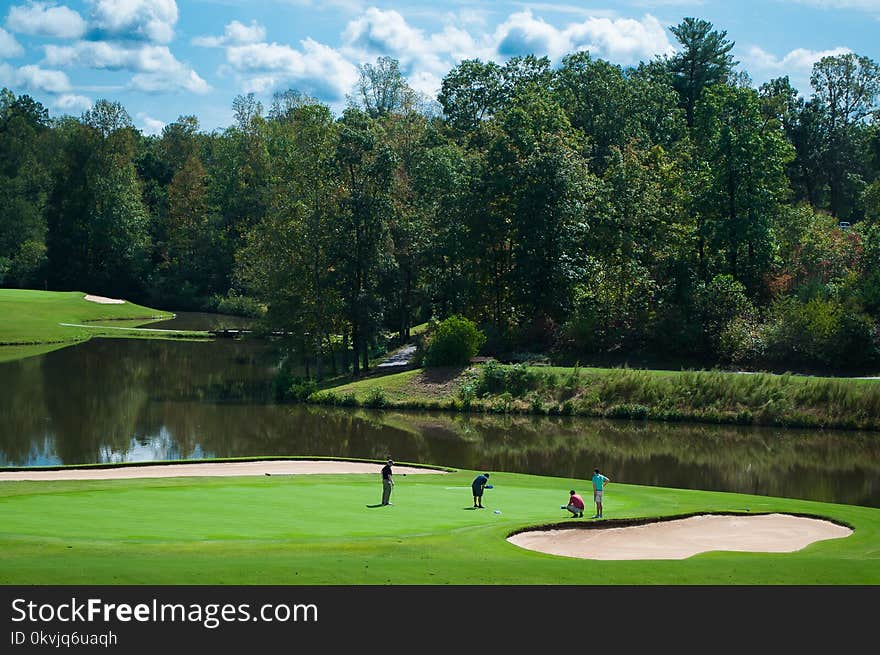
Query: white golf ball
x,y
498,511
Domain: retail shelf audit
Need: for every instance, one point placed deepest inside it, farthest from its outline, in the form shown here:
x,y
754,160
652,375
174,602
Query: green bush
x,y
819,333
517,380
455,341
376,398
627,410
467,392
301,389
236,305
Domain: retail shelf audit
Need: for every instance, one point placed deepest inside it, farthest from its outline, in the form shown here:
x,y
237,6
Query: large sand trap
x,y
681,538
104,301
212,469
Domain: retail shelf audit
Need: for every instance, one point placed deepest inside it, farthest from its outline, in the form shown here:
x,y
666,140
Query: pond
x,y
123,400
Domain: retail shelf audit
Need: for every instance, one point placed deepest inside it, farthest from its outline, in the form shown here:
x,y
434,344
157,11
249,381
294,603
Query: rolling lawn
x,y
30,321
319,529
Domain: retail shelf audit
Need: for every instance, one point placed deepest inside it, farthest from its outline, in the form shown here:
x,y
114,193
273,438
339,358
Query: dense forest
x,y
583,211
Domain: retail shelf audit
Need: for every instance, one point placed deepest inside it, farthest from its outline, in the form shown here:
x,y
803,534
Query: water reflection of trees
x,y
119,400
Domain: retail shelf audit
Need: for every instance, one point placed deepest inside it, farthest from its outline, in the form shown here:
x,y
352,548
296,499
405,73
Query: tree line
x,y
579,210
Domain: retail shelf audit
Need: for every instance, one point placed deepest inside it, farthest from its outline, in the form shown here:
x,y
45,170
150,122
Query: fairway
x,y
35,322
321,529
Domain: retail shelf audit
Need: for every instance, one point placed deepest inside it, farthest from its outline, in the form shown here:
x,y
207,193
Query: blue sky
x,y
166,58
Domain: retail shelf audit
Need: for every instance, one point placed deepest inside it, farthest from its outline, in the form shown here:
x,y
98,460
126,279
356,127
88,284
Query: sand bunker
x,y
682,538
212,469
104,301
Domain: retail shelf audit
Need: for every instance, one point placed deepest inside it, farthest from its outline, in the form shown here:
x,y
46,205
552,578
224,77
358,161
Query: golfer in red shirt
x,y
575,505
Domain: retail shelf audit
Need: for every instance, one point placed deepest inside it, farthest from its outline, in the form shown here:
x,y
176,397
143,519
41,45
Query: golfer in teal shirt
x,y
599,482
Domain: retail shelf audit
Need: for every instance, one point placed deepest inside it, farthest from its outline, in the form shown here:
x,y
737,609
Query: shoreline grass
x,y
761,399
322,530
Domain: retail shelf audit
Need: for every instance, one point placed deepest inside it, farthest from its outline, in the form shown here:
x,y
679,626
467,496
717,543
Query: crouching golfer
x,y
575,504
599,482
477,486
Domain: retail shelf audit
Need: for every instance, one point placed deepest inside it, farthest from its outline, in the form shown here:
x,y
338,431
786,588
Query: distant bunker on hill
x,y
679,538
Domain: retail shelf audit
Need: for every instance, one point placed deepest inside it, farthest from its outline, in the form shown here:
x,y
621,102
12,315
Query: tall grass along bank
x,y
706,396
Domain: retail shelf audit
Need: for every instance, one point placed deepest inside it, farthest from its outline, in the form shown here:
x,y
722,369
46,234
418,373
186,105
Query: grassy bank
x,y
32,322
320,529
706,396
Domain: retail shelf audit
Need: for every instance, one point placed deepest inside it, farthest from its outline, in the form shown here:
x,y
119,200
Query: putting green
x,y
323,529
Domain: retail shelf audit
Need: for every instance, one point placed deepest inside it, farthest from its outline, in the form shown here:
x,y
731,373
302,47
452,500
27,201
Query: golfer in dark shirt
x,y
387,483
477,486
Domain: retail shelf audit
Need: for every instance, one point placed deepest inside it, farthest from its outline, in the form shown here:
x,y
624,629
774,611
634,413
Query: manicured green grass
x,y
397,387
319,529
35,318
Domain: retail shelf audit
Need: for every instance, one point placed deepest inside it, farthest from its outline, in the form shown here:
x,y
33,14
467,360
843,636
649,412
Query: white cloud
x,y
149,125
70,103
668,3
621,40
175,79
797,64
41,79
9,47
799,59
45,19
151,20
156,68
866,5
235,33
316,69
424,58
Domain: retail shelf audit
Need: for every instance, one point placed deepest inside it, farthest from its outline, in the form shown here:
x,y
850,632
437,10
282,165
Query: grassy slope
x,y
30,318
317,529
710,396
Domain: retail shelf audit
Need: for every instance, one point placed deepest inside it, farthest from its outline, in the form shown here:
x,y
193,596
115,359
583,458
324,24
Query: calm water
x,y
128,400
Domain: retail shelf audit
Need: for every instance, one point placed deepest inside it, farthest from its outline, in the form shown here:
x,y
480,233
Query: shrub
x,y
376,398
717,303
516,380
455,341
301,389
820,333
467,392
741,341
237,305
627,410
323,398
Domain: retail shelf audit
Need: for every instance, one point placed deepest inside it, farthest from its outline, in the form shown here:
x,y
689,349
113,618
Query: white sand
x,y
679,539
104,301
213,469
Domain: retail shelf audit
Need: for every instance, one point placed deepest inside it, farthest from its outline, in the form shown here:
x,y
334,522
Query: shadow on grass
x,y
440,374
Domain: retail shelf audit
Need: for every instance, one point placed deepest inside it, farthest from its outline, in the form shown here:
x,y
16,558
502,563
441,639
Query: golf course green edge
x,y
330,529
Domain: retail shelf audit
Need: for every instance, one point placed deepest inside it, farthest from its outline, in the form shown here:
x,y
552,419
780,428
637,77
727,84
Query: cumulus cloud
x,y
866,5
41,79
149,125
621,40
45,19
799,60
156,68
316,69
71,103
235,33
9,47
150,20
797,64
